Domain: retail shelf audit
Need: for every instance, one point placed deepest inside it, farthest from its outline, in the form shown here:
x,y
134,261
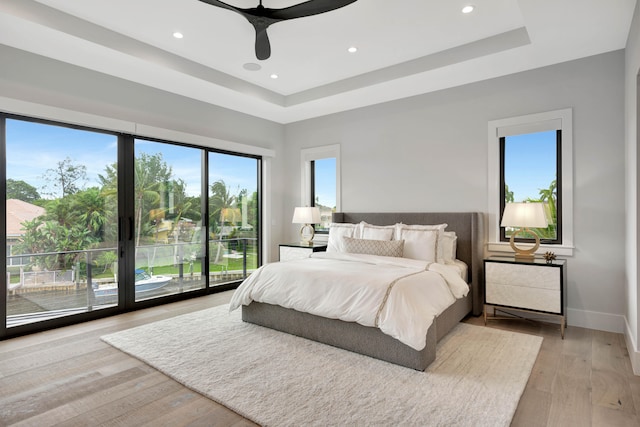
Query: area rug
x,y
276,379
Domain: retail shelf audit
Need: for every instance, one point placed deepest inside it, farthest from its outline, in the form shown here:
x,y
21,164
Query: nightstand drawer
x,y
533,287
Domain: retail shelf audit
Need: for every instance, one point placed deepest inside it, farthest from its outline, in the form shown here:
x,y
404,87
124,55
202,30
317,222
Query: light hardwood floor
x,y
69,377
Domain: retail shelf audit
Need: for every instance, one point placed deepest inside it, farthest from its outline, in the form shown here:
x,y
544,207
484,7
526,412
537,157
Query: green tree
x,y
109,190
60,211
183,208
183,205
508,195
151,171
152,179
51,237
65,179
108,261
22,191
220,198
90,207
252,207
549,197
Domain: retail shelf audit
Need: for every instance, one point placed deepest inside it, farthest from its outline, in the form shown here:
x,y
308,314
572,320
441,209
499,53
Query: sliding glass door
x,y
233,217
102,222
168,233
61,220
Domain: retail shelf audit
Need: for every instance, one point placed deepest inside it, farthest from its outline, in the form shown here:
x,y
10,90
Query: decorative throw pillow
x,y
337,231
392,248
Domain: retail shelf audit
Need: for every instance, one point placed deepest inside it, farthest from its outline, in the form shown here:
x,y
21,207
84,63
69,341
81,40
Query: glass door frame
x,y
126,237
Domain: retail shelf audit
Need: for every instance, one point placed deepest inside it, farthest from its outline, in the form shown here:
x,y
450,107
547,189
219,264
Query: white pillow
x,y
393,248
449,244
422,242
339,230
377,232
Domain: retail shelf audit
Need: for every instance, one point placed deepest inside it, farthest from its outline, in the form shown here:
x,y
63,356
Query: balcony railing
x,y
57,284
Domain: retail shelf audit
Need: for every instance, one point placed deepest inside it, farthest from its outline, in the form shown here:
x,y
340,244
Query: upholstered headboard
x,y
469,227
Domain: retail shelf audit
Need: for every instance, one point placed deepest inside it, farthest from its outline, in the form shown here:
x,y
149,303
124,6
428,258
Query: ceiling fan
x,y
261,17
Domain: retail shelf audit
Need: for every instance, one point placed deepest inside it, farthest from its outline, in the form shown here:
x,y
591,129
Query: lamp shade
x,y
306,215
524,215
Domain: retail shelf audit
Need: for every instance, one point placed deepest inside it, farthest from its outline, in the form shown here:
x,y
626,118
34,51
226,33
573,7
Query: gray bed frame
x,y
371,341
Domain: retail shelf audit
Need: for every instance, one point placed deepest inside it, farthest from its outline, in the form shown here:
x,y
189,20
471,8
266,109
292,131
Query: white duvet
x,y
398,295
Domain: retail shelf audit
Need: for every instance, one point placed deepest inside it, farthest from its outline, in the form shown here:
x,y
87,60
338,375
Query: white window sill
x,y
506,247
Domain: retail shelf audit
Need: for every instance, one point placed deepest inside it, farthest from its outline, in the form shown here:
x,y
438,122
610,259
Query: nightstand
x,y
289,251
533,287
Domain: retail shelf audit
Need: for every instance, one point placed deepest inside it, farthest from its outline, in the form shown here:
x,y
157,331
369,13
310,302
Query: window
x,y
323,190
98,222
321,182
530,159
529,172
62,227
167,220
234,224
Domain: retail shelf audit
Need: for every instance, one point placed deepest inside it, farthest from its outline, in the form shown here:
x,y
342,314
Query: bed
x,y
371,341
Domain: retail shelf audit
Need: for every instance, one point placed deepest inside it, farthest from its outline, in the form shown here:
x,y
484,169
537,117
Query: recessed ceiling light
x,y
468,9
352,49
252,66
178,35
274,76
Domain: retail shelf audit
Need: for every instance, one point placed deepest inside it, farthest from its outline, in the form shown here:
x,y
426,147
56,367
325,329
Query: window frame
x,y
559,120
558,239
307,157
126,133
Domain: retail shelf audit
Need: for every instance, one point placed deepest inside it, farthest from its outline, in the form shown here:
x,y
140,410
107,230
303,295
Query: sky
x,y
530,163
33,148
325,181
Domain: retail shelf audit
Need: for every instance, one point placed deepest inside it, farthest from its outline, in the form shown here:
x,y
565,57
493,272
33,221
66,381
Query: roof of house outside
x,y
19,212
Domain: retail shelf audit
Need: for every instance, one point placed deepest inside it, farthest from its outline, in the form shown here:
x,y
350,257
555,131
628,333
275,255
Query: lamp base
x,y
307,233
526,255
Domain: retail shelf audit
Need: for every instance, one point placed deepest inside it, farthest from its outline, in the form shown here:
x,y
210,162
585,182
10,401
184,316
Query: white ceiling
x,y
405,47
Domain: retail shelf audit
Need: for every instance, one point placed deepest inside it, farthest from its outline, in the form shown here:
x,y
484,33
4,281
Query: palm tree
x,y
549,196
93,208
151,171
145,189
220,199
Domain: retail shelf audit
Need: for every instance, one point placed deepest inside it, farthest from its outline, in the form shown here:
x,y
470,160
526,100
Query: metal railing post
x,y
244,258
90,294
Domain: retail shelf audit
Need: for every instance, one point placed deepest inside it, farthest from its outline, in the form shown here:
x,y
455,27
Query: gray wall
x,y
632,138
429,153
45,81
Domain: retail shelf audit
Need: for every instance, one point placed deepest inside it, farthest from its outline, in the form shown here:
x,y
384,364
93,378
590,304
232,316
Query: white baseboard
x,y
583,319
595,320
632,348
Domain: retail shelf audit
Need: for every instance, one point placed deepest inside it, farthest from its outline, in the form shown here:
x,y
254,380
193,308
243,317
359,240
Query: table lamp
x,y
306,216
524,217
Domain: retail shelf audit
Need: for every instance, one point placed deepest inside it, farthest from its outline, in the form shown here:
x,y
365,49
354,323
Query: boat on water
x,y
144,283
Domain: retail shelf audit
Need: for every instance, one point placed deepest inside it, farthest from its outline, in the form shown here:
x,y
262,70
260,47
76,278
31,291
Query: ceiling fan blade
x,y
308,8
255,18
223,5
263,46
261,17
